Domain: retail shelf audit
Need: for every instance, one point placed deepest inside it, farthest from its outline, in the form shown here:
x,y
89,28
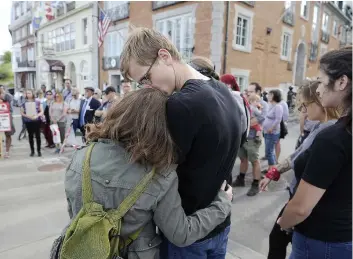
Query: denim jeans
x,y
270,144
213,248
307,248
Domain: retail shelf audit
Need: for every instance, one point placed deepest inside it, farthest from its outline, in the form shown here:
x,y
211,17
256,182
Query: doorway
x,y
300,66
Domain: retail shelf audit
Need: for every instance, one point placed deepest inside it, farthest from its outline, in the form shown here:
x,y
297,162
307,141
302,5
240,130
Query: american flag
x,y
103,26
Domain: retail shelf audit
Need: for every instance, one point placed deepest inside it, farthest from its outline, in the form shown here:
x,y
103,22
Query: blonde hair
x,y
254,98
143,45
204,66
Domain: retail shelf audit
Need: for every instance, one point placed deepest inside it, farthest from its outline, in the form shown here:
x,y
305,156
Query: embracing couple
x,y
186,126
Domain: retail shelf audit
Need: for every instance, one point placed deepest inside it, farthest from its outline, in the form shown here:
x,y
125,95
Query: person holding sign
x,y
32,112
5,110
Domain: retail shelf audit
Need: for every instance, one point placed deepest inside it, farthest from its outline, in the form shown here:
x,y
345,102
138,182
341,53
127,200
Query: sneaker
x,y
239,182
254,189
32,154
57,151
7,155
39,154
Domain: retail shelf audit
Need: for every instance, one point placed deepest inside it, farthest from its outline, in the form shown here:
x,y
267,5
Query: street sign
x,y
5,122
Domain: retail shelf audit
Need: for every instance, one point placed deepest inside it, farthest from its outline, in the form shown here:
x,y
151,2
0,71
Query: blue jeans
x,y
307,248
270,144
213,248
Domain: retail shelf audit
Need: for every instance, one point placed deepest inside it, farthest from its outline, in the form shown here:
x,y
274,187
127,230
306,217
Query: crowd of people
x,y
49,112
165,188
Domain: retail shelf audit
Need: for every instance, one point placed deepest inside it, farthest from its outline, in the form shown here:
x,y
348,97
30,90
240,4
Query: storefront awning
x,y
55,65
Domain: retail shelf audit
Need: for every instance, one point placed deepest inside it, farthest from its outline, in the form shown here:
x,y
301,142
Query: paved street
x,y
33,206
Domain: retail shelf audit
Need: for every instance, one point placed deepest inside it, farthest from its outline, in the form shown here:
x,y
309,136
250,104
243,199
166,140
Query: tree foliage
x,y
7,57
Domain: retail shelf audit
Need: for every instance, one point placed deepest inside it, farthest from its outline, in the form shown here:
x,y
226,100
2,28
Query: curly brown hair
x,y
139,123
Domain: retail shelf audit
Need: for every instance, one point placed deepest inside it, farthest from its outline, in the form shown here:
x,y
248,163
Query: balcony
x,y
325,36
119,13
111,63
249,3
26,63
161,4
288,18
313,51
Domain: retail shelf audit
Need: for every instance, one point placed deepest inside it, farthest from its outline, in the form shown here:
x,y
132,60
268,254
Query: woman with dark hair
x,y
271,125
130,146
321,209
311,106
32,120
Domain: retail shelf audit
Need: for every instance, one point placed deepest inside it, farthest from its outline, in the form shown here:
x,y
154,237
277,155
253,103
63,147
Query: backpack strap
x,y
133,196
87,192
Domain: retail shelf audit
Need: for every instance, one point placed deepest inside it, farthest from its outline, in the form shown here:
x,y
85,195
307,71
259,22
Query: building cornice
x,y
340,14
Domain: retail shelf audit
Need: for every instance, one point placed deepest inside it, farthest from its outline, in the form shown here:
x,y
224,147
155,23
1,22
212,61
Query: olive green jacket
x,y
113,177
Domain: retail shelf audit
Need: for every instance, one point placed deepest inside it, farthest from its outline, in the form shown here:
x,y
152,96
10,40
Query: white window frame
x,y
314,33
327,28
323,49
188,12
248,14
306,18
288,32
241,73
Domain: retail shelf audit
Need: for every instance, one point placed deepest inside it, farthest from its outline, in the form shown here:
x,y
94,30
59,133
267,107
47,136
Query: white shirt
x,y
74,104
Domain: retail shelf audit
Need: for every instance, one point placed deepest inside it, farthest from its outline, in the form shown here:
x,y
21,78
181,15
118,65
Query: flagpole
x,y
98,47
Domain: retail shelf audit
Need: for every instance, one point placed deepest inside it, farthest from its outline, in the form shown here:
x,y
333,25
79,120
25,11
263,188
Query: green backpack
x,y
95,233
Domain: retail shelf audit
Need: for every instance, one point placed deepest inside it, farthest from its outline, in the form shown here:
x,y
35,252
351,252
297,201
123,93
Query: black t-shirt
x,y
327,164
204,121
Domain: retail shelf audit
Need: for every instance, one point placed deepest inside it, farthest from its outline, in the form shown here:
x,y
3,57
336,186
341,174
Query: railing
x,y
325,36
26,63
250,3
288,18
313,51
120,12
161,4
111,63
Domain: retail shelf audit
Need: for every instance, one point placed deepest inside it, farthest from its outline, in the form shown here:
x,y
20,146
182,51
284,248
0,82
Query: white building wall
x,y
81,53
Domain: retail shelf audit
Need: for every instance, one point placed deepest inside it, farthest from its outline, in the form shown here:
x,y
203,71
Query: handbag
x,y
56,133
283,129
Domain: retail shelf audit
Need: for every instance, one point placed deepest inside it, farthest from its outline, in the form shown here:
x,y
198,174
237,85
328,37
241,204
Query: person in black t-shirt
x,y
321,209
203,119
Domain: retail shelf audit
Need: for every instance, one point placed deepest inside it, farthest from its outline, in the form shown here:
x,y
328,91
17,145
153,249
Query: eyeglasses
x,y
304,106
145,80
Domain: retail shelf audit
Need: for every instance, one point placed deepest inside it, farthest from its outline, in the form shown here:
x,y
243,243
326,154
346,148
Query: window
x,y
335,28
242,30
17,11
242,82
22,4
30,54
114,43
242,77
18,34
286,43
304,9
325,22
63,38
50,39
84,70
179,30
315,27
85,31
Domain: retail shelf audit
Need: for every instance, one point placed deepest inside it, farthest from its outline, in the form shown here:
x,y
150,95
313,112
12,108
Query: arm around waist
x,y
184,230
